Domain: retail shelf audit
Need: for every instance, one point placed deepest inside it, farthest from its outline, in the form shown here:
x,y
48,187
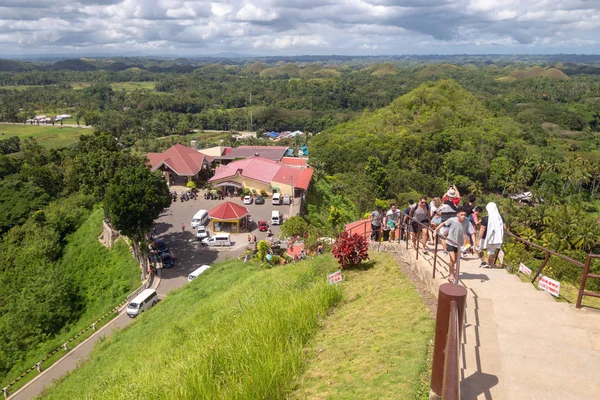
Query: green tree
x,y
294,226
134,199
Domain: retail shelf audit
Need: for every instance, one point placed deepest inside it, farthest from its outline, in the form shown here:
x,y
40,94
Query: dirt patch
x,y
428,298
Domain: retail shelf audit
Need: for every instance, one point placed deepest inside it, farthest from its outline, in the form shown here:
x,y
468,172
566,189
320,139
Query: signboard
x,y
549,285
523,268
335,277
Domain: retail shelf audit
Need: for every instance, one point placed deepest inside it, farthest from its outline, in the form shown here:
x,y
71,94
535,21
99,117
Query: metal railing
x,y
551,253
361,229
548,254
65,346
586,274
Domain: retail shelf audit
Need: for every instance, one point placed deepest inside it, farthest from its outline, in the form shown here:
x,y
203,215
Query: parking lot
x,y
189,253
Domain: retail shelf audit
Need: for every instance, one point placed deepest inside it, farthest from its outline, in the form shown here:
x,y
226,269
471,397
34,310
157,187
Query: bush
x,y
294,226
263,193
350,250
191,185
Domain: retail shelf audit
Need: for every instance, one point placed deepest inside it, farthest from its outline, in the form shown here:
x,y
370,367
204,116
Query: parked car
x,y
287,200
202,232
160,246
247,199
220,239
259,200
276,199
262,226
167,260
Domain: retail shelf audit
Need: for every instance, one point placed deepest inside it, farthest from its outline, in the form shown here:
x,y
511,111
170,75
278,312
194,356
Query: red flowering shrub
x,y
350,249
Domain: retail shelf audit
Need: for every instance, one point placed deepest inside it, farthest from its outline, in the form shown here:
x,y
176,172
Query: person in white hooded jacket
x,y
491,234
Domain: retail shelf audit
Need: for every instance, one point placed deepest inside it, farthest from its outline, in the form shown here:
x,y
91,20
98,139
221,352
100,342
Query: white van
x,y
142,302
200,218
276,199
276,218
197,272
220,239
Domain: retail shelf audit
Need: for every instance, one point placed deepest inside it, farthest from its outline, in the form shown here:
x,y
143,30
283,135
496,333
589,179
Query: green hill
x,y
238,331
63,285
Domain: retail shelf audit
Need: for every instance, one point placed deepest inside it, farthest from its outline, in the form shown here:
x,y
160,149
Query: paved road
x,y
189,255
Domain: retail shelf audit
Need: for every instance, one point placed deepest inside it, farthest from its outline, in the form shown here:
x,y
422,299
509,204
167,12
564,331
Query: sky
x,y
299,27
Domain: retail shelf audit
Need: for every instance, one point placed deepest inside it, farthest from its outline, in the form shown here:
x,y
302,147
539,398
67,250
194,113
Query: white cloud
x,y
300,26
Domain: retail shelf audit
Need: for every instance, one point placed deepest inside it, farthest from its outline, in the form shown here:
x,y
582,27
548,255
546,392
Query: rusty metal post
x,y
435,249
451,384
586,270
448,292
541,268
417,236
406,235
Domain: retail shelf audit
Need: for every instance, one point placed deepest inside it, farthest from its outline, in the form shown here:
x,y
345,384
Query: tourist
x,y
376,217
435,213
182,227
405,220
453,195
420,221
457,228
491,234
447,210
249,239
392,218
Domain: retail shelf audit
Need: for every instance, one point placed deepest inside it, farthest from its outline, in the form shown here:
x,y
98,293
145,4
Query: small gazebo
x,y
229,217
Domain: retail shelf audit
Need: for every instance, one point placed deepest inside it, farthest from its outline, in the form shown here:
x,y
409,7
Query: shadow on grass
x,y
363,266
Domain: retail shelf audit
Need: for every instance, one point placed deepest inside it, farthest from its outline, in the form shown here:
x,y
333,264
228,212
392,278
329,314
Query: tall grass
x,y
236,332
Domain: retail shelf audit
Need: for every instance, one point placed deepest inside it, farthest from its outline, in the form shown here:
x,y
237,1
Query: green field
x,y
46,135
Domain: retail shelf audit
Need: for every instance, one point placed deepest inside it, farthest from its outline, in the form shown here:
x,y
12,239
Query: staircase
x,y
518,342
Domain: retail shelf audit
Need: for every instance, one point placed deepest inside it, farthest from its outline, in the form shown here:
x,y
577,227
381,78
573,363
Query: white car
x,y
247,200
202,232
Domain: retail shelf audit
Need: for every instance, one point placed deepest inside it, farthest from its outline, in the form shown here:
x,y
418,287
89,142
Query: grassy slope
x,y
374,346
236,332
105,277
46,135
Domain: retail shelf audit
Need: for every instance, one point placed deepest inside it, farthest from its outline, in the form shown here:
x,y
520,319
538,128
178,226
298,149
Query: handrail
x,y
549,253
451,383
65,346
410,219
586,274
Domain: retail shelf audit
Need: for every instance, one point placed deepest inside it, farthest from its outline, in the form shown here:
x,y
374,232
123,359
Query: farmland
x,y
46,135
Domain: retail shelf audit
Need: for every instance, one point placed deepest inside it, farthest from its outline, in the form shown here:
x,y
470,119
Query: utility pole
x,y
250,130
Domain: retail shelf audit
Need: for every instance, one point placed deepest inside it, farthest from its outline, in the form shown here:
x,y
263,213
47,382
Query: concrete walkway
x,y
518,343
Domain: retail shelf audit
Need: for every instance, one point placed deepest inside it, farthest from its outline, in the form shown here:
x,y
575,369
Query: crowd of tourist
x,y
450,220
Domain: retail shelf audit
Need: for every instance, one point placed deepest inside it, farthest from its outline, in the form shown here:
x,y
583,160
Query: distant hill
x,y
15,66
533,72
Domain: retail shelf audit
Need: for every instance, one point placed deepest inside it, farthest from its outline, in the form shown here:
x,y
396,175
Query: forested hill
x,y
437,133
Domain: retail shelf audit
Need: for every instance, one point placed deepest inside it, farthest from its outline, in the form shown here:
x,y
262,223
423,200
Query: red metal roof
x,y
228,211
180,159
264,170
300,162
304,179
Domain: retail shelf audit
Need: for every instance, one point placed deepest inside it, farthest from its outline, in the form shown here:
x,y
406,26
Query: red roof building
x,y
229,217
179,160
257,173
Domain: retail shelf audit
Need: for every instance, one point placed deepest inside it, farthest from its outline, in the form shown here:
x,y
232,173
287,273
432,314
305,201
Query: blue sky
x,y
294,27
